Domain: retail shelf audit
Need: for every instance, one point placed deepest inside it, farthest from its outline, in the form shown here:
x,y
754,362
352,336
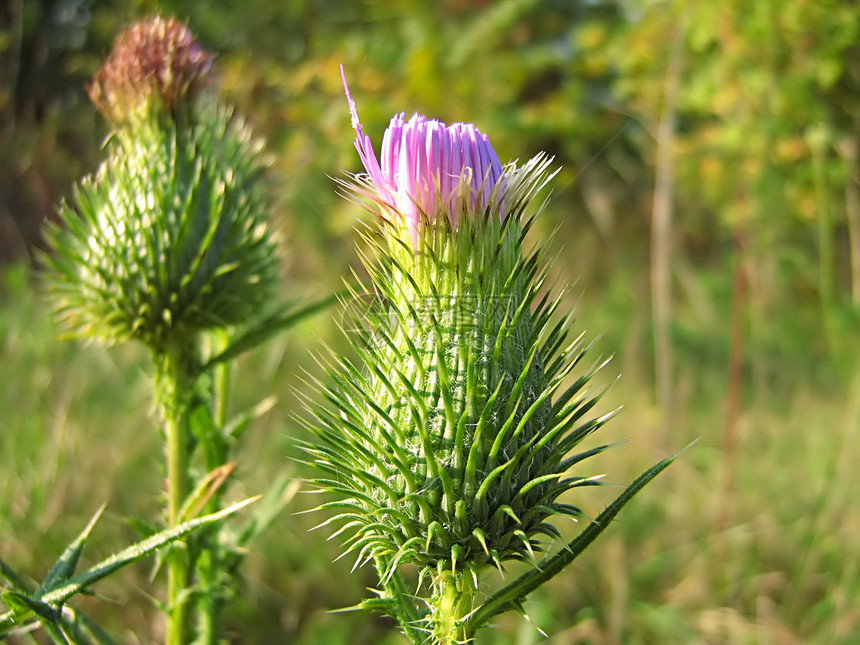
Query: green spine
x,y
169,237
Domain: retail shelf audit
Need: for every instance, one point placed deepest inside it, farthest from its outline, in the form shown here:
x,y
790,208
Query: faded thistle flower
x,y
449,441
155,64
169,236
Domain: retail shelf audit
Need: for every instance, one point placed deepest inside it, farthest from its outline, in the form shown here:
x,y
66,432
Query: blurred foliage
x,y
766,154
767,127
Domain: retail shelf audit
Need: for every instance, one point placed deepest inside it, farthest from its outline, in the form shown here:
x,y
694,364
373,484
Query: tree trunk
x,y
848,151
734,377
661,242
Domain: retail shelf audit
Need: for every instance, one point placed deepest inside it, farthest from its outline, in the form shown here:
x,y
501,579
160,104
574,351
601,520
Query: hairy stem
x,y
174,385
451,606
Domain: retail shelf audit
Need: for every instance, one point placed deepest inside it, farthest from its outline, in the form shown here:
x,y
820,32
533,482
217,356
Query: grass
x,y
774,560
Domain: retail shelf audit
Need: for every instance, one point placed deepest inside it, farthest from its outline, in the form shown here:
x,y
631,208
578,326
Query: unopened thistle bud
x,y
169,236
451,441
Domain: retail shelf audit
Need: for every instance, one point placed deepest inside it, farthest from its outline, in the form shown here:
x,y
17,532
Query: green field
x,y
751,536
770,557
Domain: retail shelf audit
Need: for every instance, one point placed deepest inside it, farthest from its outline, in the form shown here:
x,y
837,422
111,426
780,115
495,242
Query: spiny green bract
x,y
169,237
449,446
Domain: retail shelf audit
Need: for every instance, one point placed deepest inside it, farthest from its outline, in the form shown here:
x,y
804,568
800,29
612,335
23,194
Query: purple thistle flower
x,y
429,169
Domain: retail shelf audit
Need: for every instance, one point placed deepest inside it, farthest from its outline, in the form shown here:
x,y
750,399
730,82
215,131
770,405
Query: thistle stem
x,y
177,569
174,389
207,604
451,606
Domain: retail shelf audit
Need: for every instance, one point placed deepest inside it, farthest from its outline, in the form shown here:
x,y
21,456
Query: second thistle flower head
x,y
169,237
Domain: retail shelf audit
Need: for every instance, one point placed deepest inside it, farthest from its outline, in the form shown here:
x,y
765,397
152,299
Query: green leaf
x,y
55,632
143,528
210,437
279,493
64,590
267,326
18,583
236,426
512,595
19,609
83,629
68,561
23,608
206,488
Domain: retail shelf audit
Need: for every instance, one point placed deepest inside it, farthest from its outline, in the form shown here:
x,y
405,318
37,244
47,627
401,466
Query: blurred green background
x,y
706,219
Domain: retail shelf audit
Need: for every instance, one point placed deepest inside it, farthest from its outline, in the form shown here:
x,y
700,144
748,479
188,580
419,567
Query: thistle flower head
x,y
155,64
430,170
449,441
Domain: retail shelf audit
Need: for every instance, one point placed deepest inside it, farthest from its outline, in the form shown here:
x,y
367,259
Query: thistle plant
x,y
452,440
167,243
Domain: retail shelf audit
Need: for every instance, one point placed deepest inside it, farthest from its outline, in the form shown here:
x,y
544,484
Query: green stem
x,y
177,565
221,381
210,566
450,608
207,602
174,386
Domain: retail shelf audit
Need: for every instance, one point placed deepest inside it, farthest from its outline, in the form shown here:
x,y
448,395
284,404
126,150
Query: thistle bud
x,y
169,237
453,436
